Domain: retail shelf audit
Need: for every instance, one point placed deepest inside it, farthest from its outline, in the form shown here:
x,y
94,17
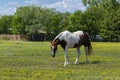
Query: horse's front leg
x,y
78,54
66,57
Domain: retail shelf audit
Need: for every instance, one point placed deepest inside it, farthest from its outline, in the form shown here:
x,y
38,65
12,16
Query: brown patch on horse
x,y
81,36
75,45
80,42
55,42
86,42
63,44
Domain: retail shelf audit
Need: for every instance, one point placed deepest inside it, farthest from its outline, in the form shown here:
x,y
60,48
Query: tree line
x,y
102,17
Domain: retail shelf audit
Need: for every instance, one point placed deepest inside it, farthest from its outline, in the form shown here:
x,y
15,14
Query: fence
x,y
13,37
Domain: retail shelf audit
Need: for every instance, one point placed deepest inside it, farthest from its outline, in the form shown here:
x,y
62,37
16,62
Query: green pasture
x,y
20,60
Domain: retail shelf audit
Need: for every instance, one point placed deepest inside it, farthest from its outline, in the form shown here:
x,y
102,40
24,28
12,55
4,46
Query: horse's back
x,y
78,33
68,36
64,35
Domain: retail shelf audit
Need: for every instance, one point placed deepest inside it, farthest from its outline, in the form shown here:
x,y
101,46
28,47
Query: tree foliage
x,y
5,24
109,18
100,18
111,24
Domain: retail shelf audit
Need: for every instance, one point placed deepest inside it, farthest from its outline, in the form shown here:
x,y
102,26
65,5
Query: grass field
x,y
32,61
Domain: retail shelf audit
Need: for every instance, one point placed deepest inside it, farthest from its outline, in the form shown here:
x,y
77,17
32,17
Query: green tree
x,y
93,17
92,2
76,21
65,21
58,22
55,24
5,24
89,21
110,24
21,19
29,19
109,20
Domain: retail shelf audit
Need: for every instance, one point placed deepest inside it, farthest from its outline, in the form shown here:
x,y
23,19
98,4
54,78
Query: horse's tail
x,y
87,43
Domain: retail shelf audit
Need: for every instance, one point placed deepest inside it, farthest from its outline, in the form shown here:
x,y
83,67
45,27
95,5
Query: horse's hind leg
x,y
78,54
86,52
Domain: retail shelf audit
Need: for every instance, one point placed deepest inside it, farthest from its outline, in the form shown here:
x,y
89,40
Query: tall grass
x,y
32,61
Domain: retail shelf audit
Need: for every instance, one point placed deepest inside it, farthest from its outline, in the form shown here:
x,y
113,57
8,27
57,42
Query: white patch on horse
x,y
70,38
52,47
52,50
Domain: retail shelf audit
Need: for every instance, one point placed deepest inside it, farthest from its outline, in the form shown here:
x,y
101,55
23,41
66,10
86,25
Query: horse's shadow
x,y
93,62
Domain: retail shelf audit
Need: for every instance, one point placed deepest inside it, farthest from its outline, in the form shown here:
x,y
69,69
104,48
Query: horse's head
x,y
54,44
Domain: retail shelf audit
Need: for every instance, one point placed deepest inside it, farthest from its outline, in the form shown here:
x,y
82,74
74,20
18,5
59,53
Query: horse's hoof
x,y
65,65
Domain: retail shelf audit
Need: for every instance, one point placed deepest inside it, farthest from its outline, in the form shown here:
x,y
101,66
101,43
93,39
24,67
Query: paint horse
x,y
72,40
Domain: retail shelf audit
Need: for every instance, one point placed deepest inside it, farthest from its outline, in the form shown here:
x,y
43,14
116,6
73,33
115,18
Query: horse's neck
x,y
55,41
